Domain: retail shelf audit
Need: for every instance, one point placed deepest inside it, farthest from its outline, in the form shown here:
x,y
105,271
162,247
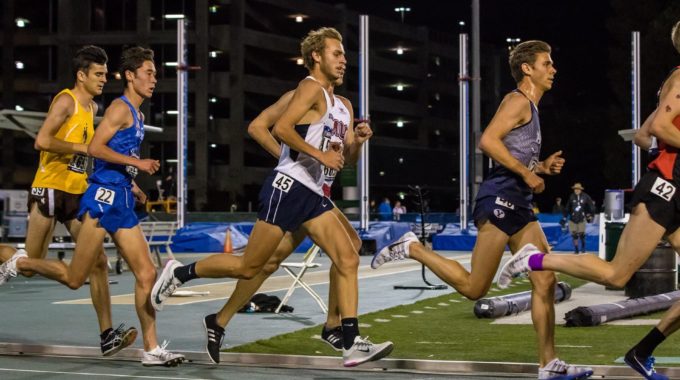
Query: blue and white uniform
x,y
109,195
299,187
504,198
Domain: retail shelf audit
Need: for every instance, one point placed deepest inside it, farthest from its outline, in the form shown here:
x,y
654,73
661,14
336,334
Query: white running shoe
x,y
8,269
395,251
518,264
166,284
363,350
559,370
159,356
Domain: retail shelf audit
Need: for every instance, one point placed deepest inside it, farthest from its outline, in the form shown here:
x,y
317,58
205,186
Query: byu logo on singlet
x,y
663,189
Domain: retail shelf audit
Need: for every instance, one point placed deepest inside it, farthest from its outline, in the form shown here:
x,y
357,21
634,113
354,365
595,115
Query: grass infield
x,y
445,328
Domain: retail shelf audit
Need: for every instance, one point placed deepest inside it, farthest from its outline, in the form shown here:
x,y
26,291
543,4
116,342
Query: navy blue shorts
x,y
113,206
287,203
505,215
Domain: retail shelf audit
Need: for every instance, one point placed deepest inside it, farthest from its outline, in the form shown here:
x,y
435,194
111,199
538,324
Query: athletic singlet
x,y
125,141
67,171
523,143
328,132
666,162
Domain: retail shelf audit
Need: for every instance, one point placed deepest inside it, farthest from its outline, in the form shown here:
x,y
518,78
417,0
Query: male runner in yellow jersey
x,y
61,179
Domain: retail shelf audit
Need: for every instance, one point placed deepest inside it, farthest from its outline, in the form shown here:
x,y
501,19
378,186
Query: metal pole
x,y
477,159
464,125
635,107
182,118
363,114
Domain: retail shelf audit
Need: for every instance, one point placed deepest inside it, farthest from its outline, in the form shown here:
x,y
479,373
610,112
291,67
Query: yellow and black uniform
x,y
61,178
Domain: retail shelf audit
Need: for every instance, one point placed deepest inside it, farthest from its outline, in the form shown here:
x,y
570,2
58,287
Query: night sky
x,y
591,98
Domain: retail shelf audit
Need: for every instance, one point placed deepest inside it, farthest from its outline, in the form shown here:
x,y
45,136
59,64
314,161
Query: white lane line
x,y
364,273
90,374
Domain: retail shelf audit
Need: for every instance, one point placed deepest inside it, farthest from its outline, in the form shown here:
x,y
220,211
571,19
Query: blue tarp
x,y
383,232
209,237
453,239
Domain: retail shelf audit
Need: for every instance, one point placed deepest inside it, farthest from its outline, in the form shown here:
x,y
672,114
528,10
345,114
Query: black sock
x,y
647,345
186,273
350,330
106,333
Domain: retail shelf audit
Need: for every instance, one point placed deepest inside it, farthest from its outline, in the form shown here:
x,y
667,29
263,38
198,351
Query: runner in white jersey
x,y
318,142
327,133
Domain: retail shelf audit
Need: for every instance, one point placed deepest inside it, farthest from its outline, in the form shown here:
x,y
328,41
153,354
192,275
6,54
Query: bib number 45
x,y
283,182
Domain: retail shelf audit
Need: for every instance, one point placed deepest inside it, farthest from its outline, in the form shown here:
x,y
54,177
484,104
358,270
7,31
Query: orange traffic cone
x,y
228,248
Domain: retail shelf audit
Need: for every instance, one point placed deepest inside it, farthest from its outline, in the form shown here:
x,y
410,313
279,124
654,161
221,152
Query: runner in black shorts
x,y
655,213
60,182
54,203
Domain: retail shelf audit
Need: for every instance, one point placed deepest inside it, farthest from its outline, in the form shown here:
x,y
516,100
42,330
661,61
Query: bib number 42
x,y
663,189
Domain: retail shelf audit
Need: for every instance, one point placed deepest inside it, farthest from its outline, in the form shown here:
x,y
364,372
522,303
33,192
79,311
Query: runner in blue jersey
x,y
503,212
108,204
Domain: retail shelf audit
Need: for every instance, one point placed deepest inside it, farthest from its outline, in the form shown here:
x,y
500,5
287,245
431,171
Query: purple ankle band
x,y
536,261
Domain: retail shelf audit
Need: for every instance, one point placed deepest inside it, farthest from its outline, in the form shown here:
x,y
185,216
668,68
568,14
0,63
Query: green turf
x,y
452,332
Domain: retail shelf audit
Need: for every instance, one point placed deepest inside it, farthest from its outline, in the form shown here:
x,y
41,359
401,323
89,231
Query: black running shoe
x,y
333,337
215,335
118,339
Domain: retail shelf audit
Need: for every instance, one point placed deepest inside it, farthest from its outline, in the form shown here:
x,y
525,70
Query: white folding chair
x,y
301,267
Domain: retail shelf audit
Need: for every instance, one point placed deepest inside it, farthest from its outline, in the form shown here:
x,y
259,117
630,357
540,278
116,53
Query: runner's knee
x,y
616,280
101,265
271,267
544,282
347,262
473,294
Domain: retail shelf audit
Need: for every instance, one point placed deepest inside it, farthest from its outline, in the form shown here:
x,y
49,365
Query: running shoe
x,y
215,334
363,350
166,284
559,370
159,356
395,251
644,366
518,264
118,339
8,269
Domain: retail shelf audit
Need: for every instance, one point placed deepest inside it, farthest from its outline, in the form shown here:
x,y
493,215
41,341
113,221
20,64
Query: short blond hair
x,y
675,36
315,41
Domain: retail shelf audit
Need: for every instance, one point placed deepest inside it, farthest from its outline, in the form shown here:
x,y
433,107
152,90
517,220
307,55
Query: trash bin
x,y
657,275
612,231
613,204
612,234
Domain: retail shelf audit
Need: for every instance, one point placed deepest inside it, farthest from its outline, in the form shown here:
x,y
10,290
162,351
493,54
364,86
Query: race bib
x,y
104,195
38,191
131,170
502,202
283,182
78,163
663,189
